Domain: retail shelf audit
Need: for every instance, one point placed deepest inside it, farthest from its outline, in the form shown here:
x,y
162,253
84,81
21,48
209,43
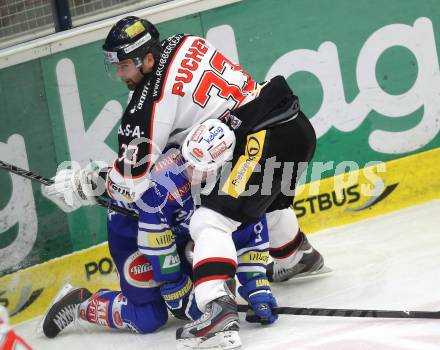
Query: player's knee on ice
x,y
150,317
122,313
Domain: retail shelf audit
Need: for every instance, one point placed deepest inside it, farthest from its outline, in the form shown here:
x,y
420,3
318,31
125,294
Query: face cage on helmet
x,y
111,67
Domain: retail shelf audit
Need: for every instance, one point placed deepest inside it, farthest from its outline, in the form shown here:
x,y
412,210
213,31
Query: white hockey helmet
x,y
209,145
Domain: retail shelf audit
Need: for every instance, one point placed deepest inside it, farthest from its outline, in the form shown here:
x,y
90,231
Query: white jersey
x,y
191,83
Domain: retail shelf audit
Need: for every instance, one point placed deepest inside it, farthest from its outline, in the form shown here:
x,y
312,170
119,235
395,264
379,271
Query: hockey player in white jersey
x,y
178,84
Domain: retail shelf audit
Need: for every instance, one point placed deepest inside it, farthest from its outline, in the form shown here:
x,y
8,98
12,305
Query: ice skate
x,y
63,310
217,328
306,261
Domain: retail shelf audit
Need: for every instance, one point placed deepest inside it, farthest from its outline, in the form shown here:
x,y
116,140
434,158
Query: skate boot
x,y
217,328
63,310
304,262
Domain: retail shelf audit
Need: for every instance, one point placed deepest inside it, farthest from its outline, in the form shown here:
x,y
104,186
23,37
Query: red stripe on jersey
x,y
161,96
215,260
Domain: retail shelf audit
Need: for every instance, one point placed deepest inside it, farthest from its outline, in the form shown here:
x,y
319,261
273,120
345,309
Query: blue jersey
x,y
162,231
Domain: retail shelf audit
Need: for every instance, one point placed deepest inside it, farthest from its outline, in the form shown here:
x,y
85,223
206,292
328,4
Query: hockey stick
x,y
303,311
45,181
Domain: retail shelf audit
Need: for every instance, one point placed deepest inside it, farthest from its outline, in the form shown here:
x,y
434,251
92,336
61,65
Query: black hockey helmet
x,y
130,38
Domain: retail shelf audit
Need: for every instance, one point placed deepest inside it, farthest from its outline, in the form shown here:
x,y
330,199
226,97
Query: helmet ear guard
x,y
209,145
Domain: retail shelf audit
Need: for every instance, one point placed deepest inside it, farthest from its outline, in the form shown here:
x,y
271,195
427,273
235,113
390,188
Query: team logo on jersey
x,y
254,257
138,271
164,239
172,159
238,178
231,120
253,147
180,192
119,301
97,310
170,263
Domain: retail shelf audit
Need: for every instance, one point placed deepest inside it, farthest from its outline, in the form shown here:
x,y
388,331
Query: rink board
x,y
27,293
369,192
321,204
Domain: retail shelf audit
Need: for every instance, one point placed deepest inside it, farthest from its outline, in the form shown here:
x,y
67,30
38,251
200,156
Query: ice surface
x,y
387,262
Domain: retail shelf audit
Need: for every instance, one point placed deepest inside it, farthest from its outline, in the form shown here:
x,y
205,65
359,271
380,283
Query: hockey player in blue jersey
x,y
151,256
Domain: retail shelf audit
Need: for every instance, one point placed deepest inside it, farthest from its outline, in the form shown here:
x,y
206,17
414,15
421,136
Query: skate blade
x,y
63,291
318,273
222,340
